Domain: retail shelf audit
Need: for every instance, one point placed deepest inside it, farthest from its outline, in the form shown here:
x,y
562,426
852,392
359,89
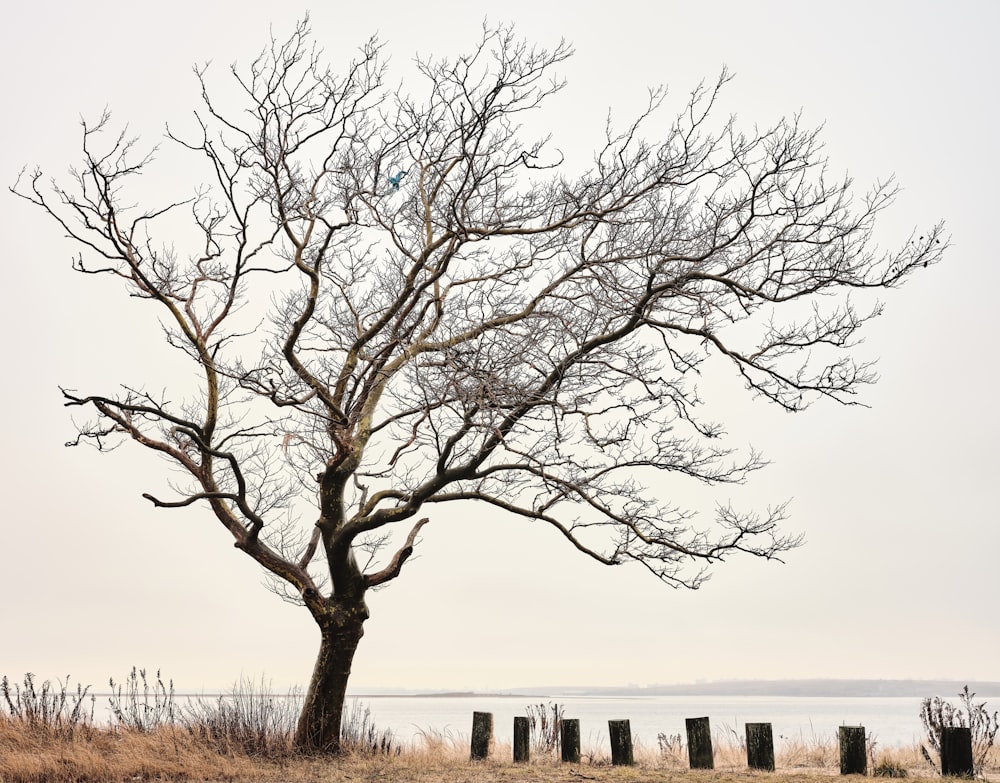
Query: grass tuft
x,y
249,720
59,712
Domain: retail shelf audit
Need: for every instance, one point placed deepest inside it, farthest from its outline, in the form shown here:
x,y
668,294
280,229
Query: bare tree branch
x,y
392,570
397,299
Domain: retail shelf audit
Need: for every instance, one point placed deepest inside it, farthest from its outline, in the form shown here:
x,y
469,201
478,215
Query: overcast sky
x,y
898,501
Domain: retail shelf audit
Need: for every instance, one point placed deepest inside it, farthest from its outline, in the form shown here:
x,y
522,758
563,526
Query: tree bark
x,y
956,752
699,734
522,739
319,726
569,729
853,751
620,733
760,746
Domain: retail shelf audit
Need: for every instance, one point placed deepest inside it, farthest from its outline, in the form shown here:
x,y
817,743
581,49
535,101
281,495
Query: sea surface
x,y
890,721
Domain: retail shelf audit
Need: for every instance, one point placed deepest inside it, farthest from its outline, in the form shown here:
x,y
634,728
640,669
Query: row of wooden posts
x,y
956,744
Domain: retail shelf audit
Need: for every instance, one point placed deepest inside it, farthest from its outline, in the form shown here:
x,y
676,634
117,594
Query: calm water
x,y
891,721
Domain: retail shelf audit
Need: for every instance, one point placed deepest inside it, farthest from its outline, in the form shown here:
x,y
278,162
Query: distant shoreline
x,y
947,689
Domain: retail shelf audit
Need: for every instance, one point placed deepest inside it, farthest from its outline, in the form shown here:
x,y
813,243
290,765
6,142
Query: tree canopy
x,y
394,300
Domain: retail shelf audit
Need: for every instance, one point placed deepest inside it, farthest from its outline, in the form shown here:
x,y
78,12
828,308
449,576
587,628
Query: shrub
x,y
250,719
671,747
544,724
60,711
936,714
358,733
144,706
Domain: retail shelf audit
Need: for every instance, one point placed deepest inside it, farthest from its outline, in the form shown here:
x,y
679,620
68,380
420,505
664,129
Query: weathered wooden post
x,y
621,743
853,753
760,746
482,734
956,751
522,739
699,734
569,735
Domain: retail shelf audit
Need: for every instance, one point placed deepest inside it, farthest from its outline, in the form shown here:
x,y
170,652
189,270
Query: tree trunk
x,y
318,729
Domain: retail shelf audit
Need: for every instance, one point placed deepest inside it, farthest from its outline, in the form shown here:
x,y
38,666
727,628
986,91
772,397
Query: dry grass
x,y
48,733
97,755
33,755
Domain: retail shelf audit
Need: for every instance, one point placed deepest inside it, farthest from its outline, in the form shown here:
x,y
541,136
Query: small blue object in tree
x,y
396,178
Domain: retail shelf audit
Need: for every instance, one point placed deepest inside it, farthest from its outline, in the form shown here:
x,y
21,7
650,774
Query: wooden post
x,y
699,734
482,734
760,746
956,751
569,732
522,739
853,753
621,743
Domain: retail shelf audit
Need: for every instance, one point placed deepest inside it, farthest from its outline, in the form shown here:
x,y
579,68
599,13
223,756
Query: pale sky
x,y
898,578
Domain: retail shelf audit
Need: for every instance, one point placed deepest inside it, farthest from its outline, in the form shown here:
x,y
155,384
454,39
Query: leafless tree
x,y
448,315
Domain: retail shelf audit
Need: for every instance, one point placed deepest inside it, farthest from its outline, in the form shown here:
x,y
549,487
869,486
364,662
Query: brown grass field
x,y
97,755
48,734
